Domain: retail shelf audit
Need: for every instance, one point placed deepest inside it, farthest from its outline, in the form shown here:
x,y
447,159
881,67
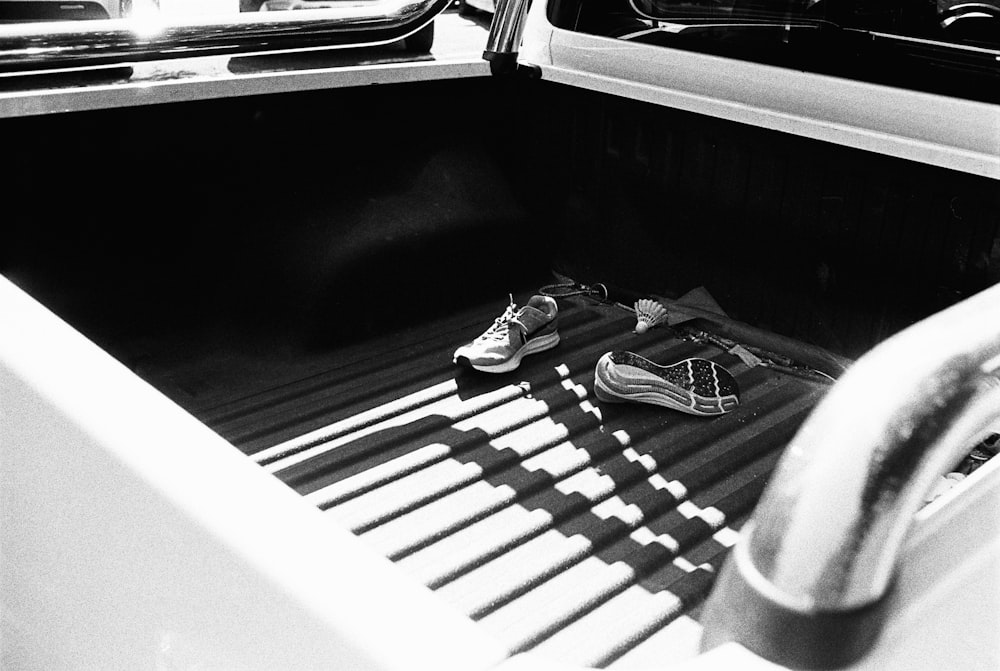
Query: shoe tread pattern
x,y
695,385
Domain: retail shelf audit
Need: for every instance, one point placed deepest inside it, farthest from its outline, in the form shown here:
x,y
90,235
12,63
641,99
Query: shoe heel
x,y
604,394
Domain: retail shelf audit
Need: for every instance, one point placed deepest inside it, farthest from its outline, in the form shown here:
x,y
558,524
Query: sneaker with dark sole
x,y
514,335
694,386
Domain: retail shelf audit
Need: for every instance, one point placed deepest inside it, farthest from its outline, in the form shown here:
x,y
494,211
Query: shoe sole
x,y
618,383
539,344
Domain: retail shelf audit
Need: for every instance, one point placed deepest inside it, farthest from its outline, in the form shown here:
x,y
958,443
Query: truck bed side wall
x,y
334,215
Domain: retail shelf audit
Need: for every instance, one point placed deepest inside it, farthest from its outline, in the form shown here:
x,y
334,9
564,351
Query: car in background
x,y
20,11
419,42
16,11
467,7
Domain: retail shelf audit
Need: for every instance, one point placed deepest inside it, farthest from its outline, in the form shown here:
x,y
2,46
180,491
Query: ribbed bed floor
x,y
583,530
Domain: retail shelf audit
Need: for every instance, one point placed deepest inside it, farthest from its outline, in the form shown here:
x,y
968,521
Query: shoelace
x,y
501,324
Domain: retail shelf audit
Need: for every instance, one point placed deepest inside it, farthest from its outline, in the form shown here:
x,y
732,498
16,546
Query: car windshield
x,y
948,20
943,46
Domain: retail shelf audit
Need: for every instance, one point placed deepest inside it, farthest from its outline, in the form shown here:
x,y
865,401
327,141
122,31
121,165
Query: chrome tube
x,y
820,554
66,44
506,30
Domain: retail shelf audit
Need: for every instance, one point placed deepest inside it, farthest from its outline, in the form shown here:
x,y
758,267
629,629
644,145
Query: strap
x,y
564,289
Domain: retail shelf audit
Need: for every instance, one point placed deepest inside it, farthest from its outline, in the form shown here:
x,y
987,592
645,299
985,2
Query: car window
x,y
941,46
38,11
48,34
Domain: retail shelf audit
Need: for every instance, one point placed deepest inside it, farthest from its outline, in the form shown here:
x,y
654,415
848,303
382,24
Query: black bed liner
x,y
542,513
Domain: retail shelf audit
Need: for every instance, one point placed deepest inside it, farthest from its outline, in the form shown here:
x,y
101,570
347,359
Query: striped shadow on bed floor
x,y
590,532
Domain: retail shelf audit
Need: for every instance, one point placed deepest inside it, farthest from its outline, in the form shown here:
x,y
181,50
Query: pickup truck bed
x,y
542,513
302,294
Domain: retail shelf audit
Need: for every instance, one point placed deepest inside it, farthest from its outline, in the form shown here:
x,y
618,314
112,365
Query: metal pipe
x,y
819,557
506,30
65,44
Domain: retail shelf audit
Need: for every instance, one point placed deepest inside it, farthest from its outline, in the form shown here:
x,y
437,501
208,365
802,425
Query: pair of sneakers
x,y
695,386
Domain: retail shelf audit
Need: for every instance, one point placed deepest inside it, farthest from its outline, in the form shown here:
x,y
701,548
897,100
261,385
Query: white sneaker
x,y
514,334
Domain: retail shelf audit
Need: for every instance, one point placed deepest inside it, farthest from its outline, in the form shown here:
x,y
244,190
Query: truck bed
x,y
540,512
308,316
